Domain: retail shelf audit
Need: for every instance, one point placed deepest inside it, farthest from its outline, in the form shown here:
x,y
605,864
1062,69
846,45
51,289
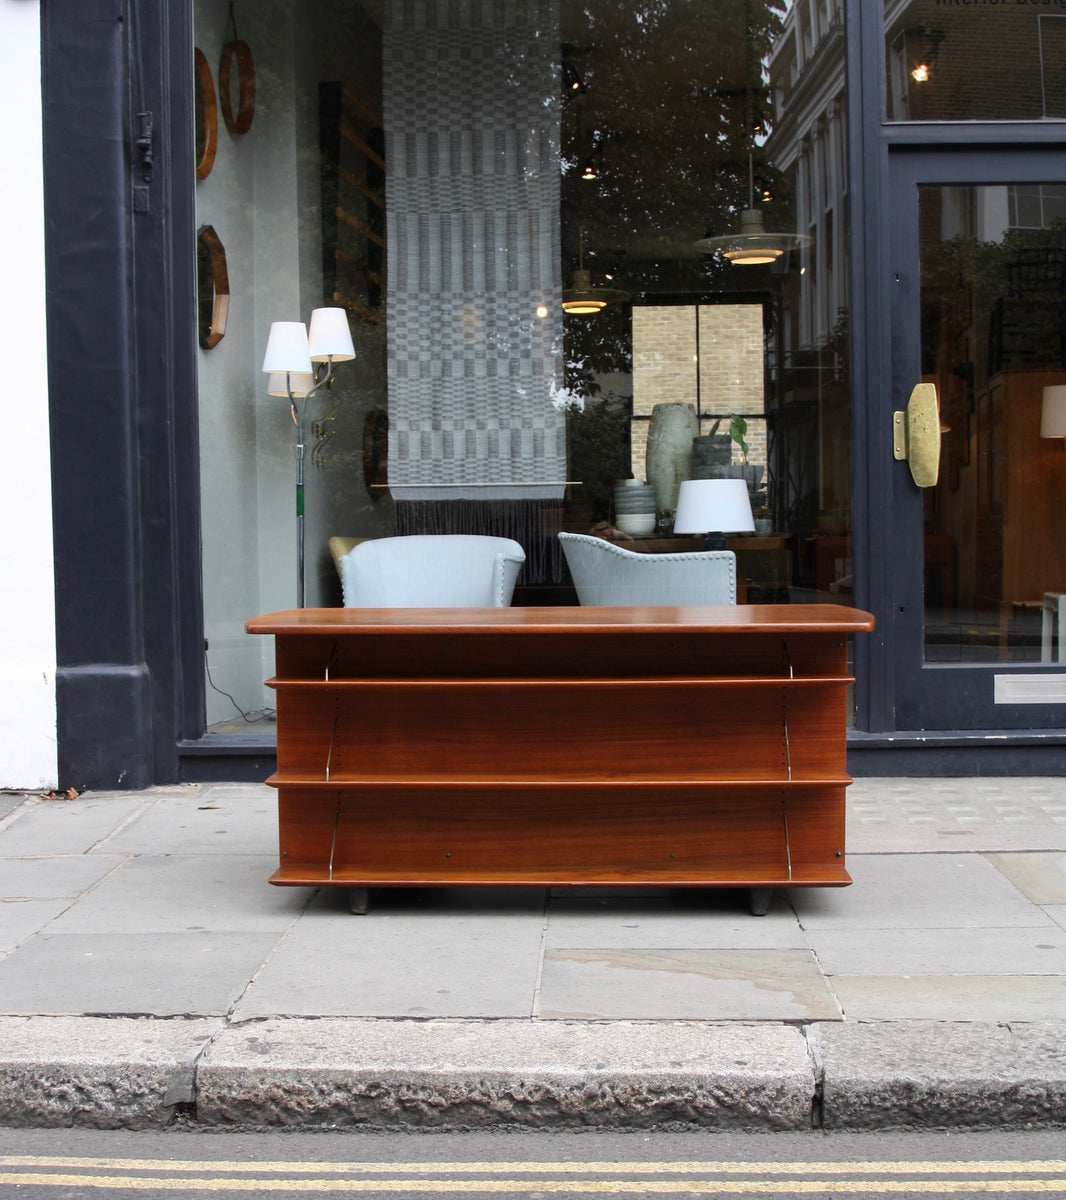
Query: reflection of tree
x,y
600,344
674,100
1011,288
597,437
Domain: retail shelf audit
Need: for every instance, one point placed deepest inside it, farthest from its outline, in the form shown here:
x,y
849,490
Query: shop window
x,y
456,186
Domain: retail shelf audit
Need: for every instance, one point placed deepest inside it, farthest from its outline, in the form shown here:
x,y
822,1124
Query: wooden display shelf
x,y
552,746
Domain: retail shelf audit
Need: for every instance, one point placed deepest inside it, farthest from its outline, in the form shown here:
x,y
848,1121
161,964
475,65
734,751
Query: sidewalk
x,y
147,969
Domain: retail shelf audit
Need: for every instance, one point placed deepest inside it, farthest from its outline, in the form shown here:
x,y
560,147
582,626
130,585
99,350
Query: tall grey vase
x,y
669,457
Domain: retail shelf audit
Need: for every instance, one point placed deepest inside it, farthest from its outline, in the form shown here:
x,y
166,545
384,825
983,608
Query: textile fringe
x,y
534,524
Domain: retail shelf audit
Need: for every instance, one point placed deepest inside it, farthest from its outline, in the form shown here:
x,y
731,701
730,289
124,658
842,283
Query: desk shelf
x,y
697,747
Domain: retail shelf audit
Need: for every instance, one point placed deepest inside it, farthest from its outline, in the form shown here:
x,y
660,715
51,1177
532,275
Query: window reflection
x,y
451,189
974,62
993,272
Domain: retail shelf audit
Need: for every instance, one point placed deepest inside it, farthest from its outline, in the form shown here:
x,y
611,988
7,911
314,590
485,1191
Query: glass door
x,y
977,256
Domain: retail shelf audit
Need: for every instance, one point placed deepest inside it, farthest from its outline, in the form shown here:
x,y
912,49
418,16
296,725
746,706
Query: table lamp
x,y
713,507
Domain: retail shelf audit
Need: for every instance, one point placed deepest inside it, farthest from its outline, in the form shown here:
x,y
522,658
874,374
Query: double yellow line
x,y
886,1177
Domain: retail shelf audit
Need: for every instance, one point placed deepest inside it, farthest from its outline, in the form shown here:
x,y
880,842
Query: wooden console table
x,y
695,746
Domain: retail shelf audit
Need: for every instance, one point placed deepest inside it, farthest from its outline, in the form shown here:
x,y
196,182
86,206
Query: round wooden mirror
x,y
206,117
241,53
212,279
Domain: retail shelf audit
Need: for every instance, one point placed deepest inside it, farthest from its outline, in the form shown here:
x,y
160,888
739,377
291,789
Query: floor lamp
x,y
299,362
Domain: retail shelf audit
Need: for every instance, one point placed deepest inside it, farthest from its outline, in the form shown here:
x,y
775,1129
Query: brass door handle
x,y
916,435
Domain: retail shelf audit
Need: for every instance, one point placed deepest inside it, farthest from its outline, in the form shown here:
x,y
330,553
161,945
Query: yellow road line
x,y
926,1167
592,1186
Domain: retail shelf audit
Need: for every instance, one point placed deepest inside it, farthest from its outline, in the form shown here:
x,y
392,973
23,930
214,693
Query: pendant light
x,y
582,296
751,245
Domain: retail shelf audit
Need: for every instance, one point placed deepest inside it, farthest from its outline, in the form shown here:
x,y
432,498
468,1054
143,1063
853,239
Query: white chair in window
x,y
606,573
446,570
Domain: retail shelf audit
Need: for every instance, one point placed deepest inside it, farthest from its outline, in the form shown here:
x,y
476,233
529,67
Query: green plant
x,y
738,427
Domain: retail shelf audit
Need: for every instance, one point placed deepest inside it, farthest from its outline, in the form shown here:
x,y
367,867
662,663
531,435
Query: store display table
x,y
695,746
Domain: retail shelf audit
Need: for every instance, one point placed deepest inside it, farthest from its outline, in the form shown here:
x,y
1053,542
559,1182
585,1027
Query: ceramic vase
x,y
669,456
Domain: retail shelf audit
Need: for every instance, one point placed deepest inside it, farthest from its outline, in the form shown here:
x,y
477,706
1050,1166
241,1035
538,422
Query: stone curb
x,y
111,1073
483,1073
135,1073
941,1074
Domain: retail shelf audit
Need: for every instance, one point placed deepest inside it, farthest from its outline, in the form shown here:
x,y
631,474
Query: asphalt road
x,y
176,1163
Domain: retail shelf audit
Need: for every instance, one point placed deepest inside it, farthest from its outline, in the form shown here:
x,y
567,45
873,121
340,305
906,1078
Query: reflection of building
x,y
810,401
808,146
933,48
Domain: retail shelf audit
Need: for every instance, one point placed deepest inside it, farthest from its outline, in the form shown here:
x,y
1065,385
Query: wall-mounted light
x,y
923,69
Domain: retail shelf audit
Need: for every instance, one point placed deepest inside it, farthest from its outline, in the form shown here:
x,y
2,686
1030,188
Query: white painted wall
x,y
27,603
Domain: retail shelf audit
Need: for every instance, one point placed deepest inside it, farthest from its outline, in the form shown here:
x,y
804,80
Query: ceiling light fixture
x,y
752,246
582,296
572,80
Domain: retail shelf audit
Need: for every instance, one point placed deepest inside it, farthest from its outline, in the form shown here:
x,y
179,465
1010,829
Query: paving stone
x,y
165,974
211,819
917,891
67,875
886,816
50,827
1041,876
21,919
672,985
458,957
188,892
951,997
693,920
1028,951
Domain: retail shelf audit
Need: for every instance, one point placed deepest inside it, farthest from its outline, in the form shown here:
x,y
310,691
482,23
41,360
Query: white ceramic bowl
x,y
636,524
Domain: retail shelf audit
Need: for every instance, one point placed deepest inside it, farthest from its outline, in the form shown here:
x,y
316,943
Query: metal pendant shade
x,y
751,245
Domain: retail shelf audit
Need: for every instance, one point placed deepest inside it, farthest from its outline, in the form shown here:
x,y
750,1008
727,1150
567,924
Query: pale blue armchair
x,y
605,573
446,570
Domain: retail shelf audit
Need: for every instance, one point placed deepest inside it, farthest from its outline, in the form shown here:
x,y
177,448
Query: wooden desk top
x,y
719,618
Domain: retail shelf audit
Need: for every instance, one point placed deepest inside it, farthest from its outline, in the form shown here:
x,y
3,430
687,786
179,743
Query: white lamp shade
x,y
330,336
287,349
282,383
1053,412
713,506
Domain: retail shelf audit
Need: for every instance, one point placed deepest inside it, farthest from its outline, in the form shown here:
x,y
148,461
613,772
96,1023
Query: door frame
x,y
880,743
943,695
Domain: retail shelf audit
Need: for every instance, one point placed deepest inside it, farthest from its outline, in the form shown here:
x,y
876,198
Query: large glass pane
x,y
993,287
981,60
544,221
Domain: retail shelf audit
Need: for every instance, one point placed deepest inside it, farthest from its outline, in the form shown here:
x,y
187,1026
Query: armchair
x,y
605,573
431,571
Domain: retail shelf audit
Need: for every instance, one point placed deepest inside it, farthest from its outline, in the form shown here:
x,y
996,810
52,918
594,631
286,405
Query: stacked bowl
x,y
634,508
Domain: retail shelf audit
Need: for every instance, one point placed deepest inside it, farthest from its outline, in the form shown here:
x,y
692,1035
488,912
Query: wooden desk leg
x,y
359,900
760,901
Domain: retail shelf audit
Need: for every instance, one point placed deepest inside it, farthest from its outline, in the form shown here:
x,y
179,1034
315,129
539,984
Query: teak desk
x,y
700,746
